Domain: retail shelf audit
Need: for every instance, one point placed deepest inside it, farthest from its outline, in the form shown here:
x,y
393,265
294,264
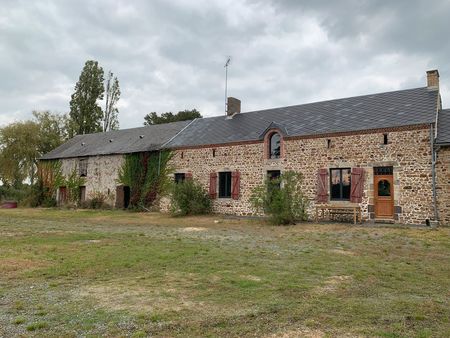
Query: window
x,y
383,171
340,183
385,138
214,152
328,143
225,184
275,146
82,167
180,177
274,175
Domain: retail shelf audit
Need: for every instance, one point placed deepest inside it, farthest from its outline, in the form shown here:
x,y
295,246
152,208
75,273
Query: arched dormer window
x,y
274,145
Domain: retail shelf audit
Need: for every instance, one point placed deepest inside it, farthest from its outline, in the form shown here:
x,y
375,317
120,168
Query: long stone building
x,y
387,153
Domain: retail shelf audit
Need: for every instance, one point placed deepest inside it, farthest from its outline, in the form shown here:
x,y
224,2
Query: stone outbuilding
x,y
386,153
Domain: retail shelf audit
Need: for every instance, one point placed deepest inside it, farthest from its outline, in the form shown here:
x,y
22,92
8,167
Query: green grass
x,y
114,273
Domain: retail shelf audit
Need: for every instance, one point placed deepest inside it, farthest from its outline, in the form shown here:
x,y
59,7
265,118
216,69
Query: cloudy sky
x,y
169,55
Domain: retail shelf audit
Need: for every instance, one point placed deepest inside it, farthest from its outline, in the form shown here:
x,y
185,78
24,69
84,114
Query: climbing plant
x,y
50,177
147,175
73,183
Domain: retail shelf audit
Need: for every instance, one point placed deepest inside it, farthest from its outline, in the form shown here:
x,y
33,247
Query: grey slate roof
x,y
443,127
383,110
123,141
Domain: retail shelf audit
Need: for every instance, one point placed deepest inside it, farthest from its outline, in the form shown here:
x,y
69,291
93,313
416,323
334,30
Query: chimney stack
x,y
433,79
233,106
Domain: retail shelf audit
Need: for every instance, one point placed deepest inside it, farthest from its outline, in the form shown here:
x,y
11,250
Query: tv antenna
x,y
226,81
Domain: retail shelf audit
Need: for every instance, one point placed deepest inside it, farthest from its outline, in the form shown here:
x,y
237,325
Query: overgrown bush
x,y
282,199
97,201
189,198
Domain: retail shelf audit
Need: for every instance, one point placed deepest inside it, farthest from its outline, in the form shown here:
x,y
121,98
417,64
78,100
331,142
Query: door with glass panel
x,y
384,192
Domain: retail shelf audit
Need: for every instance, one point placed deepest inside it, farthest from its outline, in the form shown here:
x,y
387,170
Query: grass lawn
x,y
114,273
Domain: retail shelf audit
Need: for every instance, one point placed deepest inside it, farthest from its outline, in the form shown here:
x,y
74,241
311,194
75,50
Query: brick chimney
x,y
233,106
433,79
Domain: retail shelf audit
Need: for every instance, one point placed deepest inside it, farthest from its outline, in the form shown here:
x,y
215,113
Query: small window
x,y
340,183
214,152
225,184
180,177
182,154
275,146
328,143
385,138
384,188
82,167
273,175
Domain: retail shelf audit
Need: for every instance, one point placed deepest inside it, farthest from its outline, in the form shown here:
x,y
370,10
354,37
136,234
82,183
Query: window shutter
x,y
235,184
322,186
357,185
213,185
188,176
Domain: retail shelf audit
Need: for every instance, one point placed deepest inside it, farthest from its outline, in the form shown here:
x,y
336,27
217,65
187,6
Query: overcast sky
x,y
169,55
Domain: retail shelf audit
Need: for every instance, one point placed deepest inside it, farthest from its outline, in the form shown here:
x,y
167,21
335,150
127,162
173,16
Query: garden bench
x,y
327,210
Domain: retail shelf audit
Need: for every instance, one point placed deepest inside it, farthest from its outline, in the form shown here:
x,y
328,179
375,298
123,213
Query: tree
x,y
52,130
110,121
86,115
183,115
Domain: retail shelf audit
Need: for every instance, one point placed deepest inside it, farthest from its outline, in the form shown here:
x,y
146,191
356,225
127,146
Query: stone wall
x,y
408,151
102,174
443,185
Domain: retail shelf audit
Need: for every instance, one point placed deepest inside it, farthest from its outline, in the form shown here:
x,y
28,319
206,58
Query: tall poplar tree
x,y
86,116
110,120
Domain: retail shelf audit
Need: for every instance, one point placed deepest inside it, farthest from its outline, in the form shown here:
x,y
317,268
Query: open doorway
x,y
123,195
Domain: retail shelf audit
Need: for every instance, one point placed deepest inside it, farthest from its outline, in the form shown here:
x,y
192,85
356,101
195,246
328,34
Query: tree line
x,y
93,108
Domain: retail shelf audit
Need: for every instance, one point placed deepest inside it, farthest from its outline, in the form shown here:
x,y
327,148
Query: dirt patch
x,y
300,332
333,283
343,252
14,267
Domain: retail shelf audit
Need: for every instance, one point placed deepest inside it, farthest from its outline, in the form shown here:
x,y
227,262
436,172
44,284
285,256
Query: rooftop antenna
x,y
226,81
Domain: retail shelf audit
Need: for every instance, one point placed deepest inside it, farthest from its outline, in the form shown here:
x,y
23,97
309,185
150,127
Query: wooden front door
x,y
384,196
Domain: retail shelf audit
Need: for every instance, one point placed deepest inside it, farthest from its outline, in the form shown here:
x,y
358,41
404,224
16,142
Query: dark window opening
x,y
214,152
225,184
328,143
274,179
82,167
385,138
182,154
384,188
340,183
275,145
383,170
180,177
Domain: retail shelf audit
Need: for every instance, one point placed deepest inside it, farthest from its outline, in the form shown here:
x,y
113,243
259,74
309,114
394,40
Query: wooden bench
x,y
334,209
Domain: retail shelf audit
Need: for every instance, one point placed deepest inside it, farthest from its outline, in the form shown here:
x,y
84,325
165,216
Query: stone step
x,y
384,220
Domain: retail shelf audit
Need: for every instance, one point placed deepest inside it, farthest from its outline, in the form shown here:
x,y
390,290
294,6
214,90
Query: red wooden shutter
x,y
188,176
235,184
322,186
357,185
213,185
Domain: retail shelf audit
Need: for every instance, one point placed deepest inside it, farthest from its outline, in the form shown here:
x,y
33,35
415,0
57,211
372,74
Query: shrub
x,y
97,201
282,199
189,198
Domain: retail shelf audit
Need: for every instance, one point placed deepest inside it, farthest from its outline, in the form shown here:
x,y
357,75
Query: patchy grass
x,y
114,273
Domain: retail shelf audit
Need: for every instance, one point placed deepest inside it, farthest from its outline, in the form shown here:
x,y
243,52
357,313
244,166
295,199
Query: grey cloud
x,y
169,55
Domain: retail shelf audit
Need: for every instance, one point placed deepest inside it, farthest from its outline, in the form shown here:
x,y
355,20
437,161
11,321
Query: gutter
x,y
433,173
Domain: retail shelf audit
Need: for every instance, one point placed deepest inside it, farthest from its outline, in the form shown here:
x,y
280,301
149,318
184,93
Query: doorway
x,y
126,196
384,192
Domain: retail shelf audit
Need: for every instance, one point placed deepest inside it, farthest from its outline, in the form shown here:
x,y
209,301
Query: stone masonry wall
x,y
102,174
443,185
407,151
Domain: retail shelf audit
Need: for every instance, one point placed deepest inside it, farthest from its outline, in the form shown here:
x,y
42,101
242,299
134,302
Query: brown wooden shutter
x,y
188,176
235,184
322,186
213,185
357,185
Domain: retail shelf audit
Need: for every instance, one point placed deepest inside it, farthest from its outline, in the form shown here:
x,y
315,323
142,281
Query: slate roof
x,y
443,127
122,141
383,110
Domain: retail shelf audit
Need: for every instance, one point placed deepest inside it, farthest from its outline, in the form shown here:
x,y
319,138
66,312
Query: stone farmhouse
x,y
388,153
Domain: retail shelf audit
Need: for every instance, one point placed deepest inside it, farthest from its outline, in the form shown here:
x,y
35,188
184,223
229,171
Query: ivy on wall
x,y
50,177
147,175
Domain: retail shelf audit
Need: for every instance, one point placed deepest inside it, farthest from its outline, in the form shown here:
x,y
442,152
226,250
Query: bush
x,y
282,199
189,198
97,201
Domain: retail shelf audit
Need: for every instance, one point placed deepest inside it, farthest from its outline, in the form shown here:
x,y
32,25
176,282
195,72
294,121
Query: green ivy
x,y
147,175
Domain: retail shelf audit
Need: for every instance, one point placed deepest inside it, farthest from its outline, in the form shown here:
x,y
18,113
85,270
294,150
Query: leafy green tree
x,y
183,115
52,130
86,116
112,89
